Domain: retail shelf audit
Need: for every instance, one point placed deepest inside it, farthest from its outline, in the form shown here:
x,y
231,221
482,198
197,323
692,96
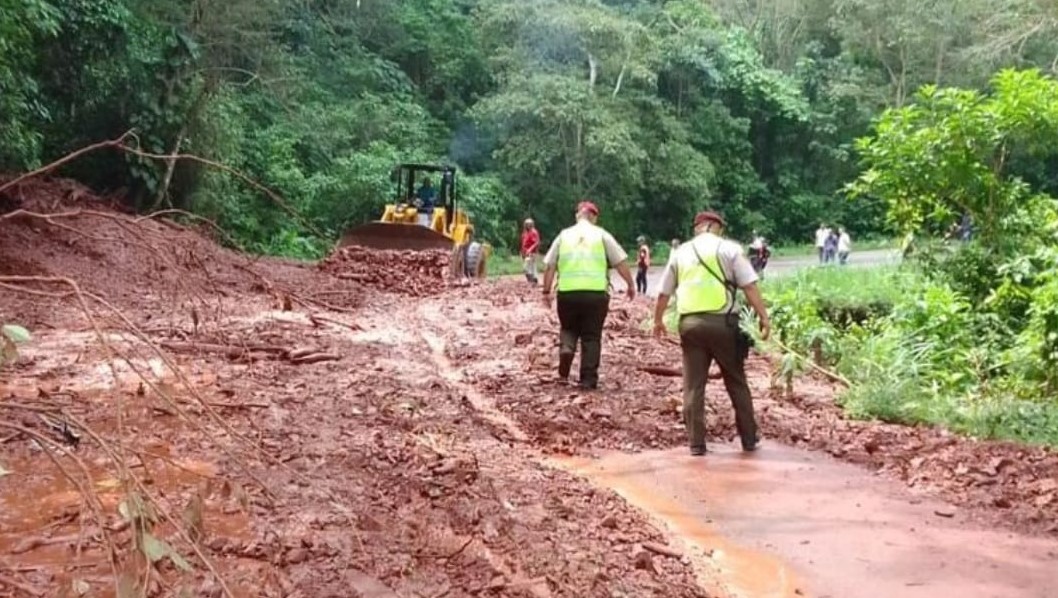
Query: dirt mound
x,y
149,266
411,273
49,195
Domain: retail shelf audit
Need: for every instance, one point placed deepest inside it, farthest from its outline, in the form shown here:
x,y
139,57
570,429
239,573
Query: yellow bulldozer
x,y
425,217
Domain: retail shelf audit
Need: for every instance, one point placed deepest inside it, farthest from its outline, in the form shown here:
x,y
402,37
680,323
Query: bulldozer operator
x,y
425,198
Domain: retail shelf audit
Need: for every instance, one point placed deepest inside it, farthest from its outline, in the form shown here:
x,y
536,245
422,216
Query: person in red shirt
x,y
530,247
643,266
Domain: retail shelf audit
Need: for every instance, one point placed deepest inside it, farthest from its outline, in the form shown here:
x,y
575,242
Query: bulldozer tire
x,y
475,264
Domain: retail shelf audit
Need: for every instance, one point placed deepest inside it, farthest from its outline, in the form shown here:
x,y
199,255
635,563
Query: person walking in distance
x,y
704,277
844,246
830,247
582,256
530,247
821,240
642,265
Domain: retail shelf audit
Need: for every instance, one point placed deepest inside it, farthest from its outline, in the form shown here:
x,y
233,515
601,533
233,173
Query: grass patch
x,y
507,264
915,351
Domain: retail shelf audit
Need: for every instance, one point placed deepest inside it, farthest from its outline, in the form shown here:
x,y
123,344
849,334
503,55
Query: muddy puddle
x,y
784,522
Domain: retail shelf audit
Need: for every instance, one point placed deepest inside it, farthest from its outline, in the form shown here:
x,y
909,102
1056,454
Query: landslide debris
x,y
151,265
410,273
309,446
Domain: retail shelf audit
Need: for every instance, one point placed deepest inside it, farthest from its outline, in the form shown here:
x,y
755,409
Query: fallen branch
x,y
241,405
67,158
87,491
272,195
663,550
7,581
658,370
315,358
231,351
317,319
119,144
834,376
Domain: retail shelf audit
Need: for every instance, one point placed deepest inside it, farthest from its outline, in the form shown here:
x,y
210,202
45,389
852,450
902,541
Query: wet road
x,y
784,522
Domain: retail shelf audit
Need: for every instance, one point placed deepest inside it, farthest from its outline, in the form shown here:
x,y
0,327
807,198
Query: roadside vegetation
x,y
965,333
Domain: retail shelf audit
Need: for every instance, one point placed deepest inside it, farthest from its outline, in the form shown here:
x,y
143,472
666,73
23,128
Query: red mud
x,y
365,472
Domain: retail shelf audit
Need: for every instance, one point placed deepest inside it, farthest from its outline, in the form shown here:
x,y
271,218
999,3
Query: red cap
x,y
704,217
587,206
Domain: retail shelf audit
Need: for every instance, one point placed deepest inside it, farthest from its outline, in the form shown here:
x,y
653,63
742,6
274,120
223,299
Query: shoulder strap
x,y
728,286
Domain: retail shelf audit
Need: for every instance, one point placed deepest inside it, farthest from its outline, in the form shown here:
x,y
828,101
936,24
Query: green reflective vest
x,y
697,290
582,264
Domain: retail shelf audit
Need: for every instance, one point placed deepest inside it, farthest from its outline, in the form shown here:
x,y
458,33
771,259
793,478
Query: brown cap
x,y
704,217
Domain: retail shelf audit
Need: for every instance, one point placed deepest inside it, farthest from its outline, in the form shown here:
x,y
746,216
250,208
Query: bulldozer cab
x,y
424,213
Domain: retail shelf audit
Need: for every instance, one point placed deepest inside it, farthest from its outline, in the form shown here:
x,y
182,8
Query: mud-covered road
x,y
188,421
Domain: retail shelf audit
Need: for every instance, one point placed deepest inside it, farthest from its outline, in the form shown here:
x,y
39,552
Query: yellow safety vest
x,y
697,290
582,264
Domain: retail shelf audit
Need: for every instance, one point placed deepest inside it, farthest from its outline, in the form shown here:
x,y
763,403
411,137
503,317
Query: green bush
x,y
923,352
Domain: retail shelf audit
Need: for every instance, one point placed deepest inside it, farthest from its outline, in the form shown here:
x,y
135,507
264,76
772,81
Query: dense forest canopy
x,y
655,109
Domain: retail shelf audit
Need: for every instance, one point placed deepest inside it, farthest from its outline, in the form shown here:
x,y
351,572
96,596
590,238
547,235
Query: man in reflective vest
x,y
704,275
582,255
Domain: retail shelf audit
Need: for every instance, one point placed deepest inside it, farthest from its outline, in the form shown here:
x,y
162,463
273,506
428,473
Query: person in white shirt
x,y
844,245
821,240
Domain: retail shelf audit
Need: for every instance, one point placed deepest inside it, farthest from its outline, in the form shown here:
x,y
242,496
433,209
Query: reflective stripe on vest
x,y
697,290
582,264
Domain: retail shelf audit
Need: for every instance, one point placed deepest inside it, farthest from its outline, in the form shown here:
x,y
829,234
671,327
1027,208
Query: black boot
x,y
565,364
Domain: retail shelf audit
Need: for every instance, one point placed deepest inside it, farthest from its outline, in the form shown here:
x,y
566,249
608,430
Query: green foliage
x,y
969,339
11,335
22,24
656,109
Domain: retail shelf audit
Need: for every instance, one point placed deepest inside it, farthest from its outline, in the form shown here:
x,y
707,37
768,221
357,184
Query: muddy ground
x,y
324,430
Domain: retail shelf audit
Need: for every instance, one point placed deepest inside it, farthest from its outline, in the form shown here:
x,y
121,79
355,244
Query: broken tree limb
x,y
11,583
812,364
316,319
229,350
663,550
315,358
112,143
303,352
240,405
659,370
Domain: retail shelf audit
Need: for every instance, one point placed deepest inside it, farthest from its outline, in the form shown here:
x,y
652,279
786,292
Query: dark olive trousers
x,y
582,315
706,337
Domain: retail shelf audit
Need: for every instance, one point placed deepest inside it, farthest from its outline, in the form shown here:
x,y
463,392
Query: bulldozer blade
x,y
395,236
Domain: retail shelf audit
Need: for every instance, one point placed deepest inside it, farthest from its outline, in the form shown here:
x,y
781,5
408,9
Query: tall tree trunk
x,y
170,163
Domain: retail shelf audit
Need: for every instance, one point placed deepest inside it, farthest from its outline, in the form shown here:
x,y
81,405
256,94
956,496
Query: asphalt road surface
x,y
784,266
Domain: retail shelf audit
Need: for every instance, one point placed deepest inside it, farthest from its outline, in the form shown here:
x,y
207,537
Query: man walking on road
x,y
844,246
582,255
704,276
530,246
822,233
